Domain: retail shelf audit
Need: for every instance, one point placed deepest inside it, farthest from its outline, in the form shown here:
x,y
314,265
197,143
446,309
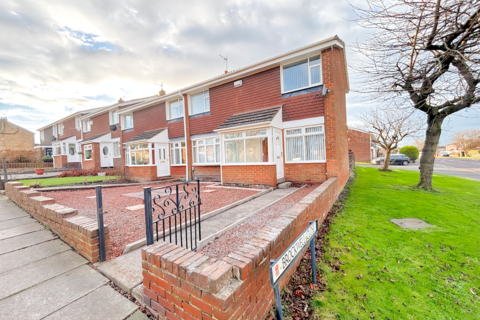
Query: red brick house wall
x,y
143,172
60,161
95,162
207,171
258,91
100,125
306,172
69,130
178,171
250,175
359,143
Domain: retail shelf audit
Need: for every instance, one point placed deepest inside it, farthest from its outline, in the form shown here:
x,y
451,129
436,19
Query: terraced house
x,y
280,119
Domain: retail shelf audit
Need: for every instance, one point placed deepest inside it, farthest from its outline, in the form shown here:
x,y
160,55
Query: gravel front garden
x,y
128,226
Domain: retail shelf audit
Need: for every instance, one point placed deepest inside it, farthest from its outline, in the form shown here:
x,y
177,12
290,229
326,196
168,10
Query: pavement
x,y
126,270
463,168
41,277
25,176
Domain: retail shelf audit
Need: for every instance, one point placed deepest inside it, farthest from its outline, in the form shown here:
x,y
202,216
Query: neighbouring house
x,y
452,147
16,142
283,118
360,142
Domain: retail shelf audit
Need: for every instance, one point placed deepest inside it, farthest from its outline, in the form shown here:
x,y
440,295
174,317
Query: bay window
x,y
206,151
178,153
139,154
305,144
88,152
200,102
246,147
57,149
302,74
175,109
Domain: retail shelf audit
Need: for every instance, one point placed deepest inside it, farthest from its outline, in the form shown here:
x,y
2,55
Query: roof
x,y
146,135
116,105
78,113
251,117
250,69
95,137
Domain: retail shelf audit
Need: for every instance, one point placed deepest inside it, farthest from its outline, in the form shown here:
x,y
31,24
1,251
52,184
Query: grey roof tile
x,y
250,117
94,137
146,135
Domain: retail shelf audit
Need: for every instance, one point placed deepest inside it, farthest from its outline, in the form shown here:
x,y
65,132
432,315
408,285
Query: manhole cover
x,y
411,223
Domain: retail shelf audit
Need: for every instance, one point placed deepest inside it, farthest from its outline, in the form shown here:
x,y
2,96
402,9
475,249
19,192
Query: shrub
x,y
86,172
21,159
47,158
411,152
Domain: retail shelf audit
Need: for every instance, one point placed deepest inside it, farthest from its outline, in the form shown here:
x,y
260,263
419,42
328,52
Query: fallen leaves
x,y
472,291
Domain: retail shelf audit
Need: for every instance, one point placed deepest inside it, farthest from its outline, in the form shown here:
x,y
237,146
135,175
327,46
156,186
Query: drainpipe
x,y
185,114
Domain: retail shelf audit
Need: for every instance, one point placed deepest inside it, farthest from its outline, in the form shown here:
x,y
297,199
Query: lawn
x,y
50,182
387,272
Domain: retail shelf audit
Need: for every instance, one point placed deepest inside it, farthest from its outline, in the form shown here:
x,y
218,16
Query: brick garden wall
x,y
143,172
181,284
250,175
60,161
79,232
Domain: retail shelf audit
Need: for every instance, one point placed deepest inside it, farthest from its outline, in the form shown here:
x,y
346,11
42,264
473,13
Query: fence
x,y
32,165
178,215
351,160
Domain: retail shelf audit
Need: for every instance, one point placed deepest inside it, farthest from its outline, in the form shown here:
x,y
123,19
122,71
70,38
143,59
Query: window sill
x,y
302,162
175,120
140,165
87,159
127,130
249,164
206,164
177,165
205,113
301,91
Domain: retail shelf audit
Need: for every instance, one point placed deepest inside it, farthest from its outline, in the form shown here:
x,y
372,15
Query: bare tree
x,y
469,139
419,143
389,126
425,54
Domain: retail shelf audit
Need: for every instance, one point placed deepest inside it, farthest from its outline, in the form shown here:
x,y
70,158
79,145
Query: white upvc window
x,y
116,149
78,123
305,144
87,151
178,153
127,121
87,125
42,135
64,148
60,129
175,109
206,151
246,147
127,157
54,130
302,74
139,154
200,102
114,118
57,149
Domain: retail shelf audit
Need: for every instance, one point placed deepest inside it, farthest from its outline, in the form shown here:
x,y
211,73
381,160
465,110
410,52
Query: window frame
x,y
78,124
124,121
149,148
42,135
172,152
303,134
119,154
112,117
86,125
195,145
55,147
310,85
190,104
169,109
54,130
85,148
244,137
60,129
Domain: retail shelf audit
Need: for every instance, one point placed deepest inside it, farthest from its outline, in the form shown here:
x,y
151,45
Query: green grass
x,y
51,182
360,162
433,270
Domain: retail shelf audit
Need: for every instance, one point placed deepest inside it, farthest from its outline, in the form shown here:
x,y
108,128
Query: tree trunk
x,y
386,163
432,136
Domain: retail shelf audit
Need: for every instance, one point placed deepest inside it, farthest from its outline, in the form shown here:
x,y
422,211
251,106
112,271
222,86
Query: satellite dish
x,y
324,90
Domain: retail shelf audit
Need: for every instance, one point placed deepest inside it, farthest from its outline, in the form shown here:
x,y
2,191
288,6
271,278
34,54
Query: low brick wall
x,y
143,172
78,231
181,284
60,161
250,175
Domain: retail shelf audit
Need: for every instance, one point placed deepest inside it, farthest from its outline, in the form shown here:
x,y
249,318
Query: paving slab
x,y
102,303
24,241
136,207
52,295
137,293
19,230
13,213
15,259
16,222
27,276
411,223
138,315
125,271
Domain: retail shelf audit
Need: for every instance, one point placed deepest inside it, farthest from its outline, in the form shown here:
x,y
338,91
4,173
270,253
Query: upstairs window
x,y
42,135
114,117
302,74
128,121
87,126
54,130
206,151
175,109
78,124
200,102
60,129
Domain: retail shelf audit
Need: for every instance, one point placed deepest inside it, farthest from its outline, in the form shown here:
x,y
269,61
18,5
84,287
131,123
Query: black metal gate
x,y
178,214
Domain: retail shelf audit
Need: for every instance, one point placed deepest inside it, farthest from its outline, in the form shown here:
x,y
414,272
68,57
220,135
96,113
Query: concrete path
x,y
41,277
126,271
25,176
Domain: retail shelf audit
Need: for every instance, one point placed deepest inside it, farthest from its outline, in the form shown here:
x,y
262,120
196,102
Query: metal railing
x,y
177,209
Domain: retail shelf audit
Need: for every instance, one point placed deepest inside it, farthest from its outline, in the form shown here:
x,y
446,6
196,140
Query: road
x,y
463,168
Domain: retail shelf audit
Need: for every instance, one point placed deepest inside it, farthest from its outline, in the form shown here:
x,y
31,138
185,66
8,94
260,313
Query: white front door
x,y
72,152
162,159
106,154
278,143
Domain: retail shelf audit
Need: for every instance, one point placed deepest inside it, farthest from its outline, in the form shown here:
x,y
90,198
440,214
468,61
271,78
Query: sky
x,y
59,57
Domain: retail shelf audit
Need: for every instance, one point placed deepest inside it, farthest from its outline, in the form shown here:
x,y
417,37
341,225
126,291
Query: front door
x,y
278,143
162,159
106,154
